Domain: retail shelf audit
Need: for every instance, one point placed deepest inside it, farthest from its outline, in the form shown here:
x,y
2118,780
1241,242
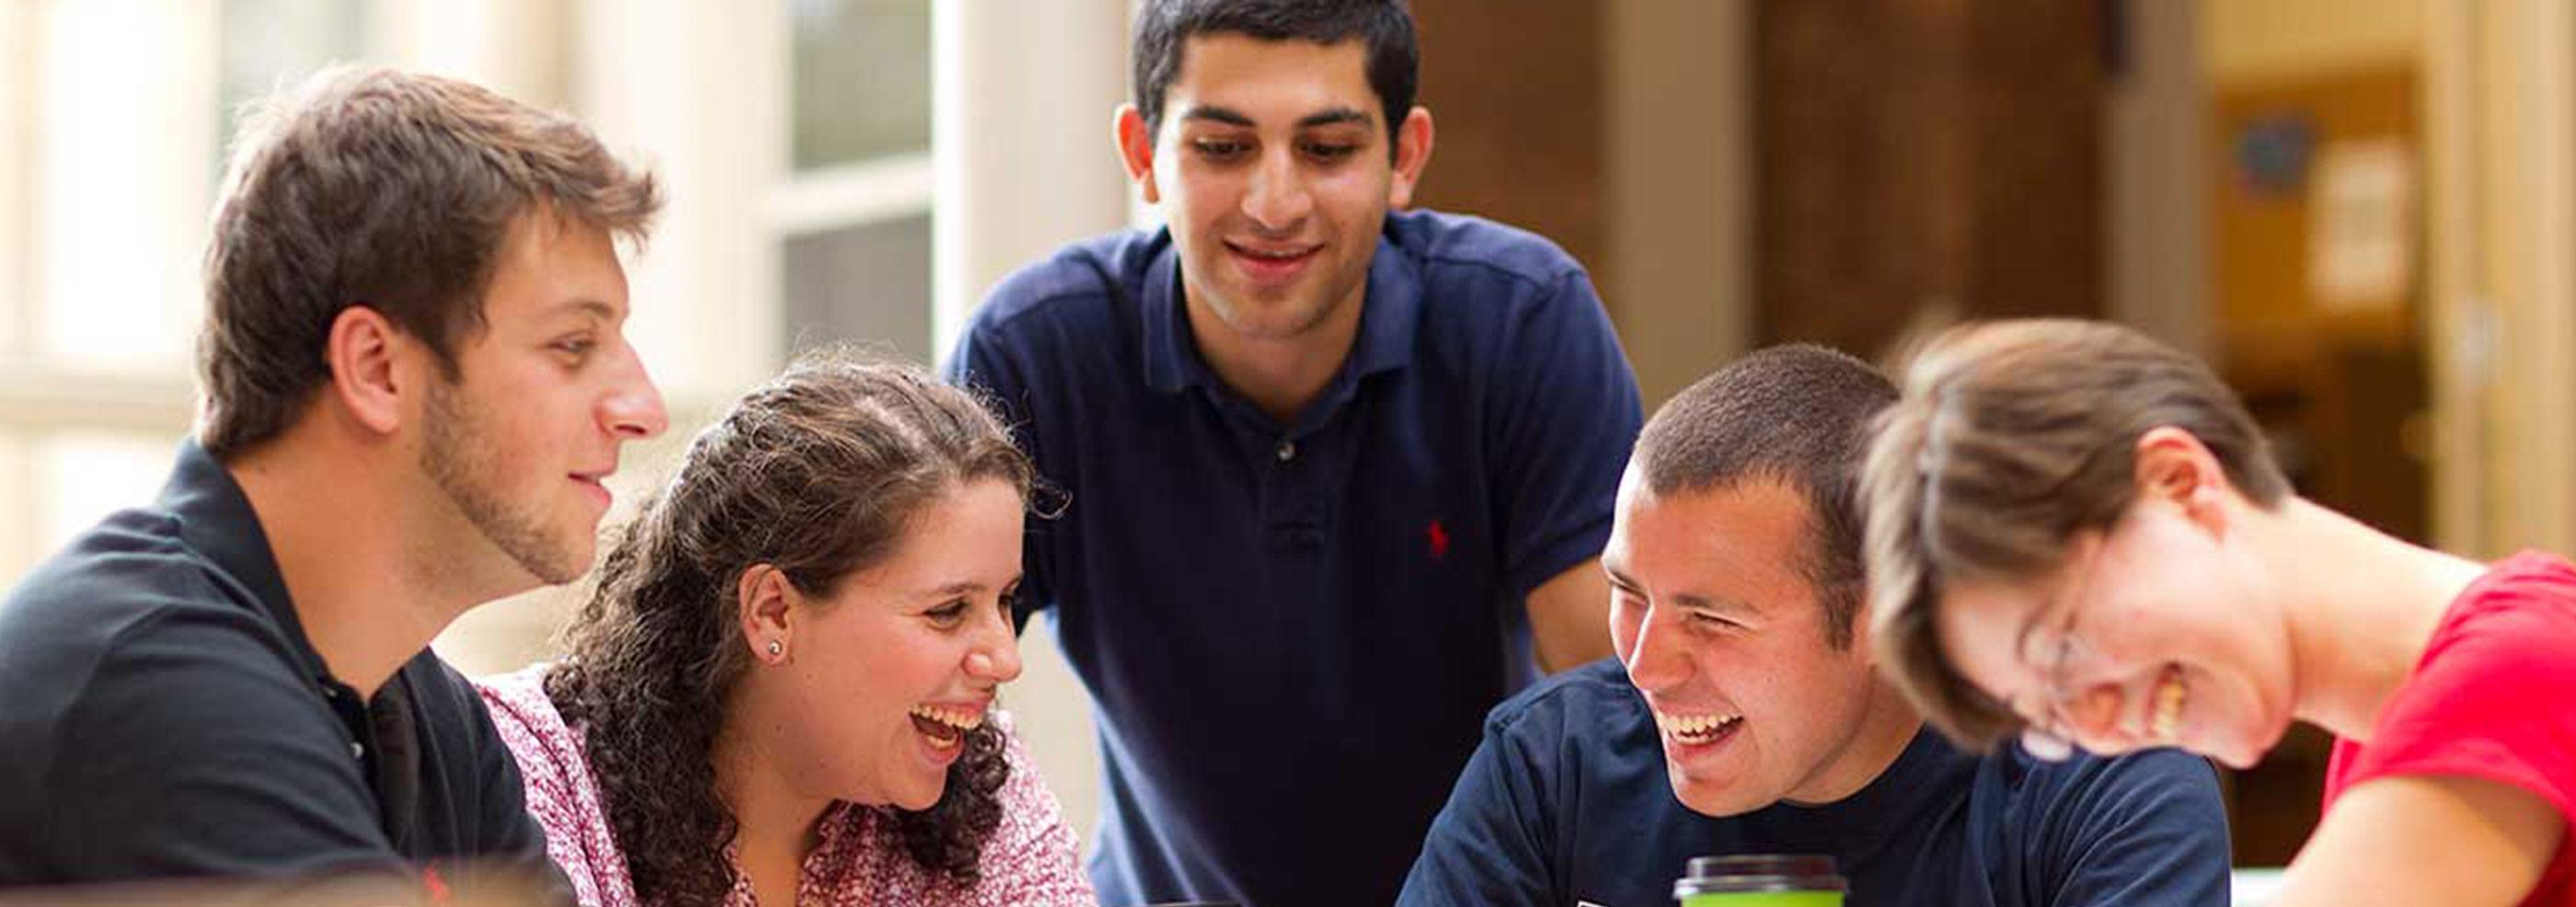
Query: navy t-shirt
x,y
1292,631
166,716
1567,800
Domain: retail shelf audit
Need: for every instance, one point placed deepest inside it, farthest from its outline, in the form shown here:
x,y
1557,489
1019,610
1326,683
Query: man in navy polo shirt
x,y
1337,477
1741,718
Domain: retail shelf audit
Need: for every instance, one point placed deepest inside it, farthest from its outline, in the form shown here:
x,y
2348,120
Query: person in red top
x,y
2078,534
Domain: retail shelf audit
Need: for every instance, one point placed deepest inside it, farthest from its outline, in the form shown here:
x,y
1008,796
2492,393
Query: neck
x,y
1886,727
1280,375
2361,607
368,594
773,824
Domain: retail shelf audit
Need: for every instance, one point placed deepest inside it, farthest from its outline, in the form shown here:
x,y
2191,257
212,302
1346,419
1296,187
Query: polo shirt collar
x,y
1390,311
217,522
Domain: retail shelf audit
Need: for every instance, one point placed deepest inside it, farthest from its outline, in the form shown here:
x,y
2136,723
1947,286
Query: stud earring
x,y
776,648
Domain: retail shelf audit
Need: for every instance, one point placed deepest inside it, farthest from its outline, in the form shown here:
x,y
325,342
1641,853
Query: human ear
x,y
1412,154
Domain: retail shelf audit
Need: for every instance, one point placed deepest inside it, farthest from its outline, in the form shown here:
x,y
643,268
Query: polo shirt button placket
x,y
1287,450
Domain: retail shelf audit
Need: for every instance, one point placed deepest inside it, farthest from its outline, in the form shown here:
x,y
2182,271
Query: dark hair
x,y
1164,27
383,189
1797,414
2012,438
816,473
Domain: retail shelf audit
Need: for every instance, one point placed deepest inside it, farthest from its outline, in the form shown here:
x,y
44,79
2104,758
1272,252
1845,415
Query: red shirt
x,y
2490,699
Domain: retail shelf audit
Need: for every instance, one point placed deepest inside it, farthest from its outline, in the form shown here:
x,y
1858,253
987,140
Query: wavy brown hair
x,y
816,473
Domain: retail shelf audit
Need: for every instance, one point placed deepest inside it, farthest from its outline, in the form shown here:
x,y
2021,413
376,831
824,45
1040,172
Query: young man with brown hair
x,y
1743,714
414,380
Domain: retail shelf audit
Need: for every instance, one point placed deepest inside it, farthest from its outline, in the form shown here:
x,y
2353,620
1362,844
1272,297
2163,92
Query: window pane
x,y
123,113
270,43
861,83
868,283
83,476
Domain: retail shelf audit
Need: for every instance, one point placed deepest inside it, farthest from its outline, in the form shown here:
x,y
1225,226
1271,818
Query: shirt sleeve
x,y
1568,414
2469,709
195,752
1032,858
982,365
1489,845
2145,829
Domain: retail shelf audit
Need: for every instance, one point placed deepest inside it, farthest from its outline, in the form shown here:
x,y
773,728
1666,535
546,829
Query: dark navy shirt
x,y
1567,800
166,716
1292,631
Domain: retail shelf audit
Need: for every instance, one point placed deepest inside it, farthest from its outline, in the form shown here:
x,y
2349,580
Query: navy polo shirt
x,y
166,716
1567,800
1292,630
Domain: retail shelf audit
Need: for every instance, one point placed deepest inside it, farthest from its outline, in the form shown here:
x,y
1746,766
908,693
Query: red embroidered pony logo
x,y
435,886
1439,537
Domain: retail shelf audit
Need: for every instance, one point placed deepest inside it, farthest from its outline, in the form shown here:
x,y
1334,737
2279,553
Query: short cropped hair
x,y
1385,27
388,190
1797,415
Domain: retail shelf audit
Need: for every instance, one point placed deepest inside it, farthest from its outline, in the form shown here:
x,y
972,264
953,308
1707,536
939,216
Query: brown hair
x,y
816,473
1734,425
383,189
2012,438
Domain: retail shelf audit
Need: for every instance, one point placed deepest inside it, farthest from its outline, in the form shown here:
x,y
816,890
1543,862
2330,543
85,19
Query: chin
x,y
1713,801
920,800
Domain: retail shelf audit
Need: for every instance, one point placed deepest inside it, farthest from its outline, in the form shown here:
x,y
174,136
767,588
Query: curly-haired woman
x,y
781,690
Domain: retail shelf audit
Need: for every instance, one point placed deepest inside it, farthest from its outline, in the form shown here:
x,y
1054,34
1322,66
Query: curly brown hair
x,y
815,473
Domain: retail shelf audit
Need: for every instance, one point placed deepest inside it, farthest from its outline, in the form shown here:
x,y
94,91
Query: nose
x,y
1277,199
1657,662
632,410
997,657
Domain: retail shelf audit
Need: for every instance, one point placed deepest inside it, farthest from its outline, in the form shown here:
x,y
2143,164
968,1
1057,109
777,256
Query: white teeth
x,y
1695,728
2169,699
955,719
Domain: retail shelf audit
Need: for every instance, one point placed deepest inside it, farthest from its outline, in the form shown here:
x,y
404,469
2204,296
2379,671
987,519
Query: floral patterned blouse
x,y
1030,859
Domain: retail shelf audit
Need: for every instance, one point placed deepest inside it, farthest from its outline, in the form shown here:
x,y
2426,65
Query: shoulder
x,y
549,752
128,576
1460,246
1592,700
520,710
128,611
2509,641
2080,803
2510,636
561,795
1072,286
2091,781
2521,612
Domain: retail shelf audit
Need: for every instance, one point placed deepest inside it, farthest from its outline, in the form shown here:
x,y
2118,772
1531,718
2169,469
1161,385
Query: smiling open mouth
x,y
2170,695
1697,730
945,727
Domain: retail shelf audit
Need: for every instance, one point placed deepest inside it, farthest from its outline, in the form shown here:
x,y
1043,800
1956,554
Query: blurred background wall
x,y
2360,210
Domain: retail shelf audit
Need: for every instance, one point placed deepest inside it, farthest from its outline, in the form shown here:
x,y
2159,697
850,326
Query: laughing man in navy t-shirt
x,y
1741,718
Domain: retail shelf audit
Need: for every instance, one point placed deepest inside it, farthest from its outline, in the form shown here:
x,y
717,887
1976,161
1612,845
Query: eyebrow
x,y
1334,116
584,305
1698,602
960,587
1687,600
